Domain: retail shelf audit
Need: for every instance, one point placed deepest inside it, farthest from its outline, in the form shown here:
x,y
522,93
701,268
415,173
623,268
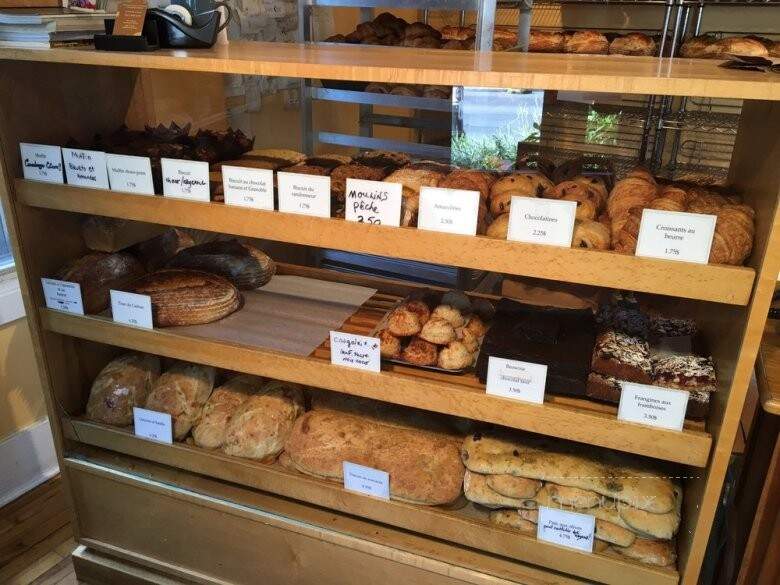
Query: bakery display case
x,y
243,342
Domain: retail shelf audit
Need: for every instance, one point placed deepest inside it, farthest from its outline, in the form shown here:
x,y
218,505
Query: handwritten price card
x,y
374,202
569,529
41,162
186,179
86,168
354,351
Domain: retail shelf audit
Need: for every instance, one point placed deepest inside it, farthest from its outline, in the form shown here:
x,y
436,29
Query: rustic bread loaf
x,y
182,391
97,273
242,264
477,490
188,297
611,474
261,424
123,383
660,553
424,468
111,234
219,408
156,252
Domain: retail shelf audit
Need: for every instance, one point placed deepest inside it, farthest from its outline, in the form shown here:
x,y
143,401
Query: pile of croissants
x,y
610,220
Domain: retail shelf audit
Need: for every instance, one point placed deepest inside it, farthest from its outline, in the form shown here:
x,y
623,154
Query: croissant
x,y
667,204
630,192
677,193
624,239
591,234
705,201
733,238
640,173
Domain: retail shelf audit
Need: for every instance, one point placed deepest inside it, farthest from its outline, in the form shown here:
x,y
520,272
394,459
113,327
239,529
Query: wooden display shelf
x,y
717,283
464,524
768,368
459,395
600,73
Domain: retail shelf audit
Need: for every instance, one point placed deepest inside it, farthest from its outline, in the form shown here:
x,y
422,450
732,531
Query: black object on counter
x,y
149,40
561,339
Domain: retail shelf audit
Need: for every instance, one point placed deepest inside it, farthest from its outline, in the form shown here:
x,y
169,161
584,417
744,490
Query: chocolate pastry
x,y
242,264
622,356
560,338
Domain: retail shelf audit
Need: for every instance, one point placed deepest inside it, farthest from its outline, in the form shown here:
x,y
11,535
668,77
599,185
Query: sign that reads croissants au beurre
x,y
186,179
676,235
541,221
454,211
374,202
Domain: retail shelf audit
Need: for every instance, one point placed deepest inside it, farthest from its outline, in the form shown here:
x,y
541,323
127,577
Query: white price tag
x,y
85,168
248,187
62,295
541,221
374,202
41,162
185,179
448,210
569,529
675,235
354,351
130,174
304,194
515,379
653,406
152,425
131,309
366,480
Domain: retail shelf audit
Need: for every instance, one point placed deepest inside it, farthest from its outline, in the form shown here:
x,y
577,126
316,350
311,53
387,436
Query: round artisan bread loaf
x,y
97,273
242,264
211,430
123,383
188,297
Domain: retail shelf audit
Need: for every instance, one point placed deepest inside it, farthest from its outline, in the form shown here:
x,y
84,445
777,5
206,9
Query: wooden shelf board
x,y
768,368
717,283
464,525
572,419
598,73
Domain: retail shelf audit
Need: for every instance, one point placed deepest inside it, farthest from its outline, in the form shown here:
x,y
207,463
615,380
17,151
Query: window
x,y
6,258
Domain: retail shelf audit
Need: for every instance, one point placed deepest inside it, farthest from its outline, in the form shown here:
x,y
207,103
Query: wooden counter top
x,y
593,73
768,368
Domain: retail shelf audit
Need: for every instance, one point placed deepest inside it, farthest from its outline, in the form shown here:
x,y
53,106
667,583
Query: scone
x,y
455,356
420,352
403,322
421,309
450,314
438,331
389,344
476,326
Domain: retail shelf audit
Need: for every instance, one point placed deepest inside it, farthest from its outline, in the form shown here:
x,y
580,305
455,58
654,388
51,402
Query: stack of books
x,y
48,27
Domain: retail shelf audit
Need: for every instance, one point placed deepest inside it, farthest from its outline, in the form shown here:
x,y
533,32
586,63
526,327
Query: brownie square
x,y
622,356
562,339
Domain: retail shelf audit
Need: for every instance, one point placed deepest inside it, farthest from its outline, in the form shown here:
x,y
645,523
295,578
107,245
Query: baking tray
x,y
468,305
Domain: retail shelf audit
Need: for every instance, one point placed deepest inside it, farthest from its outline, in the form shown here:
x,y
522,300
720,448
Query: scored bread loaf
x,y
610,474
242,264
424,468
219,408
182,391
123,383
188,297
97,273
261,424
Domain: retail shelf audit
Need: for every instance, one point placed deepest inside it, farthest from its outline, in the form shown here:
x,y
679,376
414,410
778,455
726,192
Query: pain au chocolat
x,y
188,297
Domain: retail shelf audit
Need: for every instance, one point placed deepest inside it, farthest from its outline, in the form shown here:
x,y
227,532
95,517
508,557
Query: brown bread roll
x,y
156,252
182,391
742,46
424,468
188,297
242,264
734,233
589,42
210,432
513,486
660,553
458,33
477,490
633,44
97,273
696,47
123,383
262,423
540,41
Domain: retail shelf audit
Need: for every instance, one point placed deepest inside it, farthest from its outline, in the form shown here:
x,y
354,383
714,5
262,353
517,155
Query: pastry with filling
x,y
622,356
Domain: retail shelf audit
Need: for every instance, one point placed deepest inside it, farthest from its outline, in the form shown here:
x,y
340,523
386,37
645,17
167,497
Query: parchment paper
x,y
291,314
